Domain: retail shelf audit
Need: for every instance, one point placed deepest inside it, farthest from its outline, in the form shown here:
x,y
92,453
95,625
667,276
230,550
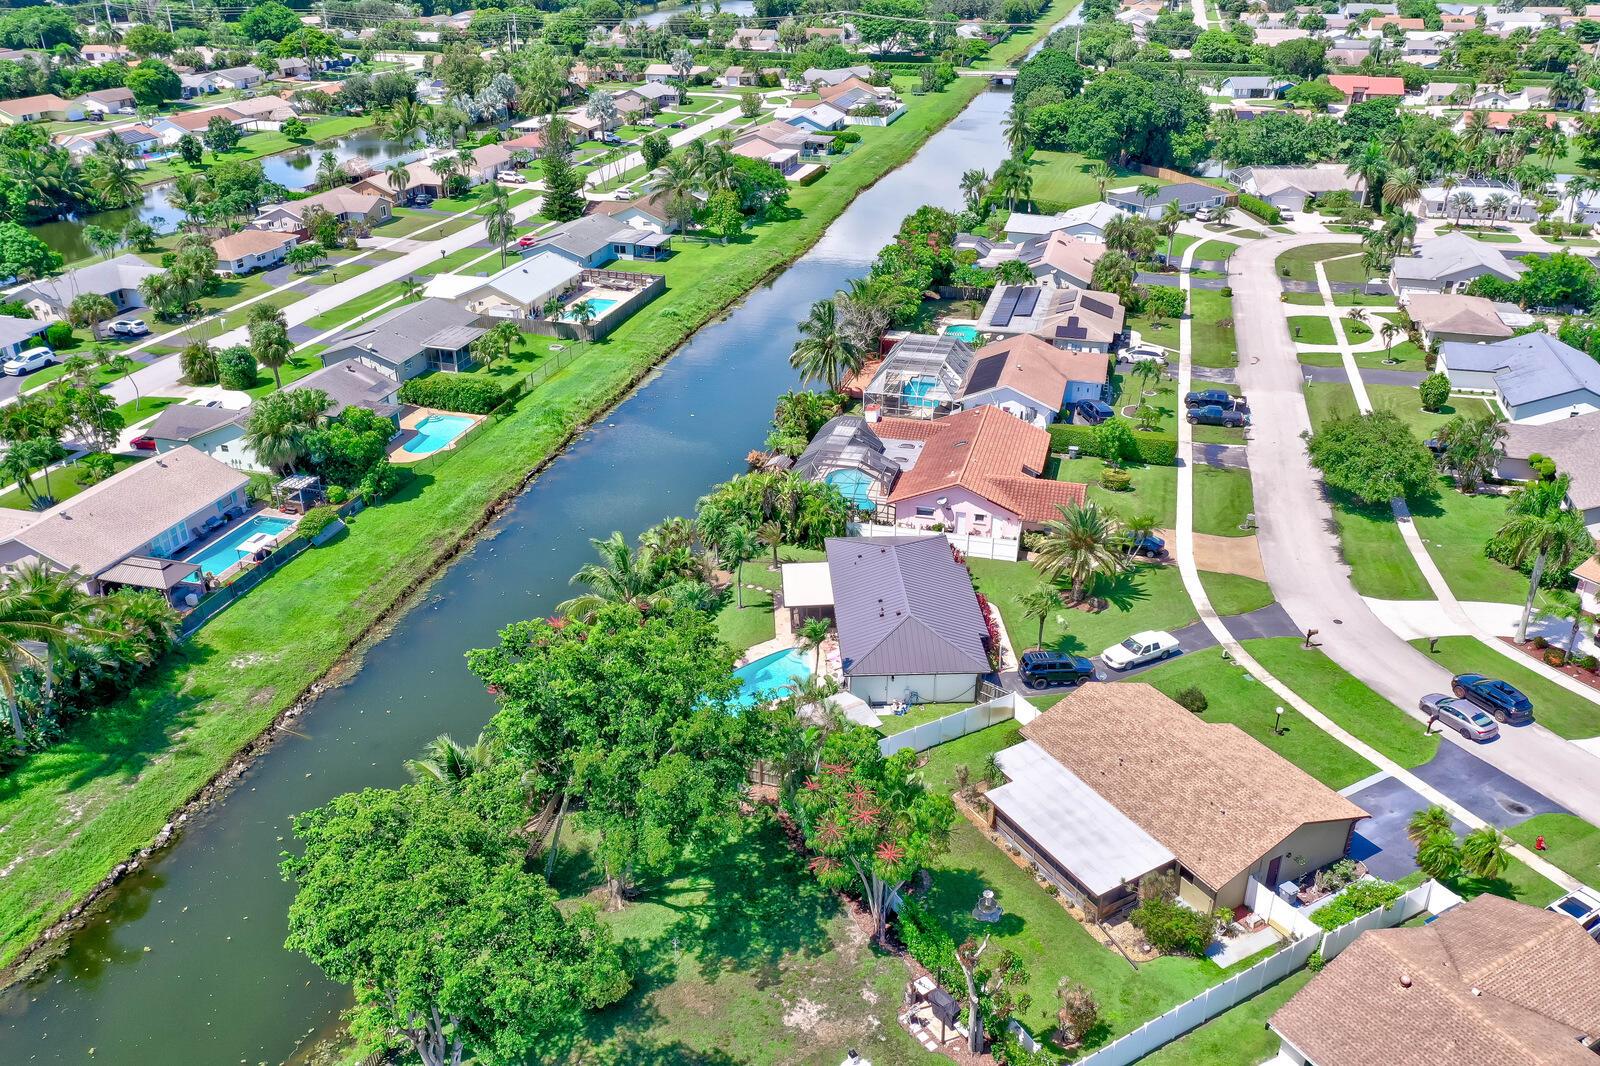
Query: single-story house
x,y
1587,574
193,85
1449,263
593,72
1253,88
1058,259
422,183
116,279
263,112
590,127
1360,87
352,383
173,128
347,205
1081,319
737,77
783,135
1488,981
910,627
46,108
113,101
595,240
1574,444
98,55
920,377
1455,317
664,72
835,34
1437,201
751,39
1118,781
412,339
1535,377
293,67
1032,379
216,431
126,529
647,213
17,335
783,159
824,118
1087,222
521,290
657,94
138,137
821,76
252,249
1292,187
246,77
1190,196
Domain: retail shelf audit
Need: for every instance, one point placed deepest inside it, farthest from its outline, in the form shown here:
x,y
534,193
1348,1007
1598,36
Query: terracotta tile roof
x,y
199,120
986,451
1213,795
1350,84
1490,981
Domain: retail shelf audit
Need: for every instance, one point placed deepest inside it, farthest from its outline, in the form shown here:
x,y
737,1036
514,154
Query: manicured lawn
x,y
1495,238
1564,713
338,316
1063,179
1231,594
135,411
750,626
1154,491
406,222
64,483
119,776
1149,597
758,571
1235,1037
299,365
1300,262
917,715
1324,399
1350,703
1233,696
1380,564
1570,843
1221,500
1216,250
1455,527
1211,330
1311,329
1518,882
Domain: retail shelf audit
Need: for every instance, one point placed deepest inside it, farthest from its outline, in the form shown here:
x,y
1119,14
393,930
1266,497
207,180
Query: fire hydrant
x,y
1538,844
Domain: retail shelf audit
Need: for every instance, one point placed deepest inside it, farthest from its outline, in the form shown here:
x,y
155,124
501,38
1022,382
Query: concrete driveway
x,y
1301,552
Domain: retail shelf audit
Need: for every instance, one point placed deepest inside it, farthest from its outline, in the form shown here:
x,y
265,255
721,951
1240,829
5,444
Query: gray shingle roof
x,y
350,384
1532,367
903,605
1574,443
585,236
407,330
1183,193
123,272
186,421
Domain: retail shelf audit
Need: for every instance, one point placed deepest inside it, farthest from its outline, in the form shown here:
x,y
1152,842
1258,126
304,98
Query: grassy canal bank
x,y
71,814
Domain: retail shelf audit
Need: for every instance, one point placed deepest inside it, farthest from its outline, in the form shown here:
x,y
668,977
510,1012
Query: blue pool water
x,y
966,333
771,675
220,554
914,393
599,307
435,431
853,485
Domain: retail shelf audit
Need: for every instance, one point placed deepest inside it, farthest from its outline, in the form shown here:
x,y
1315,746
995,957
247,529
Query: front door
x,y
1272,872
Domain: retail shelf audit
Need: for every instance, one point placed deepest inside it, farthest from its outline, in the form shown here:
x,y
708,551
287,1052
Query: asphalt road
x,y
1301,551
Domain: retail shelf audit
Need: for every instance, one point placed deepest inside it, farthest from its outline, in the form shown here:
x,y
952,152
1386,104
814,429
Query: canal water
x,y
187,965
293,170
728,7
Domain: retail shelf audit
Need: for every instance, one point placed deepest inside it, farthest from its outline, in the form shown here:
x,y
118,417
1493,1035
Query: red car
x,y
145,444
527,240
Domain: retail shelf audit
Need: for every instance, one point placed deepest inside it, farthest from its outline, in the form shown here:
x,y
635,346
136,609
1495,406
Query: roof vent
x,y
1405,981
1477,992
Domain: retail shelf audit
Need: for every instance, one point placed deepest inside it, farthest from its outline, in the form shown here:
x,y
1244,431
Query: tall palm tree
x,y
812,633
445,764
330,173
823,352
1039,603
500,224
1014,127
89,309
737,547
1371,167
41,613
622,576
1541,527
448,167
270,344
677,182
404,120
114,180
1167,224
974,183
1082,545
398,177
1402,186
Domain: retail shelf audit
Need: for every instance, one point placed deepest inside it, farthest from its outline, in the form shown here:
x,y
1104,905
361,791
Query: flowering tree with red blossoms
x,y
870,820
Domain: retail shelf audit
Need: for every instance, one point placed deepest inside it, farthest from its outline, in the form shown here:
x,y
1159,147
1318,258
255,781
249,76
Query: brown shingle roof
x,y
1444,312
32,105
1216,797
249,242
1490,981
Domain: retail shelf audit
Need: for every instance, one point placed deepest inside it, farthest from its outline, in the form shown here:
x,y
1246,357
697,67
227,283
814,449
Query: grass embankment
x,y
75,811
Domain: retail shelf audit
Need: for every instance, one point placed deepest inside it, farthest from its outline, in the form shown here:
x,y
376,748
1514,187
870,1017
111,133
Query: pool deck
x,y
408,431
195,549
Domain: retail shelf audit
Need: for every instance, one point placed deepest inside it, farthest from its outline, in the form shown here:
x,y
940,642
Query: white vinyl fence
x,y
1430,897
959,724
969,545
1279,913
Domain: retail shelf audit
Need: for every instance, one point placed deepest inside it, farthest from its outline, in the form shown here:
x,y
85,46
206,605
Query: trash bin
x,y
1072,451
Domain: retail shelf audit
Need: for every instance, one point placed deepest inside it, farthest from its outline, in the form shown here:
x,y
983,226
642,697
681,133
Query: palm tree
x,y
448,168
42,612
1014,272
398,177
1370,167
1427,822
582,313
1569,608
974,184
771,534
1462,203
1082,545
89,309
1497,204
445,764
677,182
410,287
500,224
1389,331
1401,229
737,547
404,120
812,633
1167,224
114,179
622,576
1401,186
270,344
1039,603
823,352
1541,527
1102,172
276,435
1485,852
330,174
1439,856
1014,127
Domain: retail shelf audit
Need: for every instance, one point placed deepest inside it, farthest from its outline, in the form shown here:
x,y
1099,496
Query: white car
x,y
1583,908
1144,354
1141,648
29,361
129,327
511,177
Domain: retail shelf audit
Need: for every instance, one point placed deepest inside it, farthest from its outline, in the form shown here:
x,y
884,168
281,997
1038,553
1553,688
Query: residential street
x,y
1301,551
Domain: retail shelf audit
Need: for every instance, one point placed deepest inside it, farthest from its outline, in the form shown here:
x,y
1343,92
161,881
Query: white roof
x,y
533,278
1096,215
452,286
1098,844
807,585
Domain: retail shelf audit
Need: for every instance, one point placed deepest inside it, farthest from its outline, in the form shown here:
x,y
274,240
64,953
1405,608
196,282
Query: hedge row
x,y
1259,208
1152,450
453,392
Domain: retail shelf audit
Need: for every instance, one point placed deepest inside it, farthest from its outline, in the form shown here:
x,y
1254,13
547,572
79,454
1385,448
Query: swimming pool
x,y
914,393
769,676
597,305
215,558
853,485
966,333
435,431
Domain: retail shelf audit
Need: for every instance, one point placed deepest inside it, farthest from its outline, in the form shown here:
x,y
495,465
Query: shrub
x,y
58,336
1353,902
338,494
1227,292
1116,480
236,368
1434,391
1150,449
1315,962
1589,663
1113,441
316,520
1259,208
453,392
1173,929
1555,657
382,481
1540,643
1192,699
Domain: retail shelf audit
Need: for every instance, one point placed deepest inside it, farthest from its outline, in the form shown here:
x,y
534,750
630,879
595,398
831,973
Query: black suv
x,y
1212,398
1501,699
1213,415
1043,669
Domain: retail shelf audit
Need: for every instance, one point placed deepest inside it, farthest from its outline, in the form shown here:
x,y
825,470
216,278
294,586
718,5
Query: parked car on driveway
x,y
1212,398
1582,907
1505,701
1045,669
511,177
1149,545
1465,718
129,327
1141,648
1216,416
143,444
29,361
1091,412
1144,354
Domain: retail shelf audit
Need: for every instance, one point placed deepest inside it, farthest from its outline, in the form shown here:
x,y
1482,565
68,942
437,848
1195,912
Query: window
x,y
924,512
979,517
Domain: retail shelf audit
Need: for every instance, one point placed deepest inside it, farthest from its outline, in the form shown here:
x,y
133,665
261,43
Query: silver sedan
x,y
1465,718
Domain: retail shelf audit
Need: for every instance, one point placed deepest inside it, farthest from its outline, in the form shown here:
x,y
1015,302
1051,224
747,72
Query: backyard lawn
x,y
745,628
1064,179
1154,491
1221,500
1148,597
1565,713
1231,594
1455,527
1365,714
1236,1036
1211,330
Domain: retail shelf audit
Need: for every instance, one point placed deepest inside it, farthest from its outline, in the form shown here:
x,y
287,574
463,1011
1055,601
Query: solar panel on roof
x,y
1006,307
1094,305
1027,300
986,373
1072,330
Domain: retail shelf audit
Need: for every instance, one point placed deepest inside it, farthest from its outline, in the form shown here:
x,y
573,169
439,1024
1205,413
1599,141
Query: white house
x,y
116,279
1087,223
1535,377
250,250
